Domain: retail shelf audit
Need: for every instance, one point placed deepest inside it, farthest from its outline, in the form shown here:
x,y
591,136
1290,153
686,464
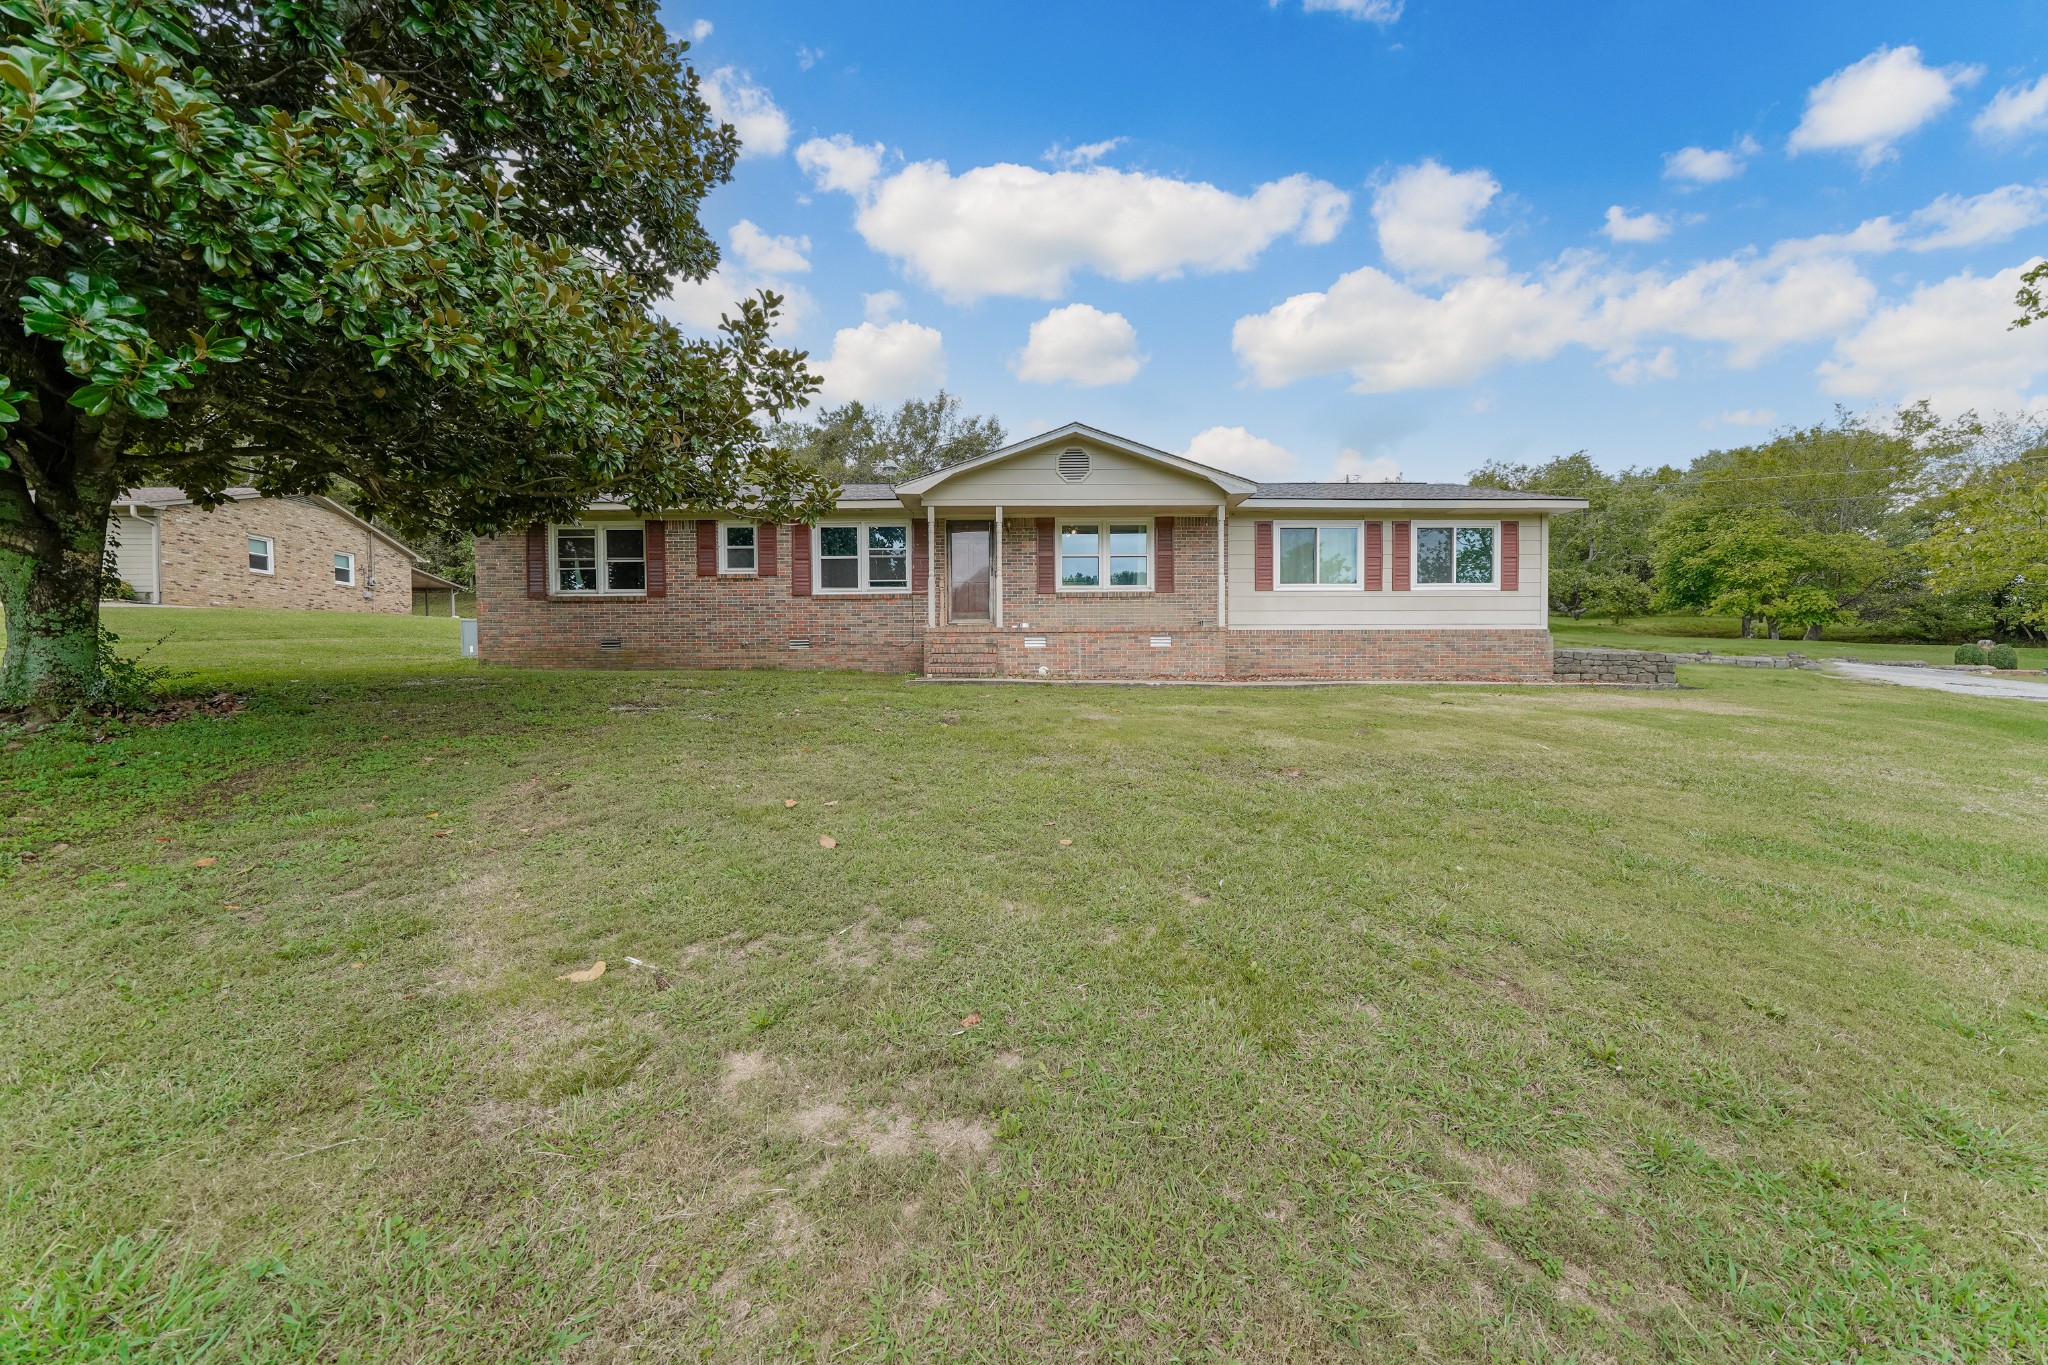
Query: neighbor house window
x,y
600,559
1449,556
1105,555
1318,556
345,570
864,557
261,556
737,550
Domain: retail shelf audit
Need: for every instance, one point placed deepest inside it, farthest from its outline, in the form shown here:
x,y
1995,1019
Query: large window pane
x,y
839,540
625,544
625,575
1128,540
839,573
1078,540
1080,571
1433,554
1339,557
576,561
739,548
890,539
1297,554
888,571
1475,554
1128,571
624,553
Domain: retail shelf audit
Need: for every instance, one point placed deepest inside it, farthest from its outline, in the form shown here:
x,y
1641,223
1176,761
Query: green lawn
x,y
1722,635
1378,1023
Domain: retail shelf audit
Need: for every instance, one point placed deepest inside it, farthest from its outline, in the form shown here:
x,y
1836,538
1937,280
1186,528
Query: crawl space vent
x,y
1034,642
799,644
1162,642
610,646
1073,465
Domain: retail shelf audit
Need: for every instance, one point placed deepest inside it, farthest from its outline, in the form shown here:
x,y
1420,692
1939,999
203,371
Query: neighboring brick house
x,y
252,551
1074,554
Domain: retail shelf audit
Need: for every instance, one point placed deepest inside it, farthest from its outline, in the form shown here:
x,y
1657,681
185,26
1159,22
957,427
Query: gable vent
x,y
1073,465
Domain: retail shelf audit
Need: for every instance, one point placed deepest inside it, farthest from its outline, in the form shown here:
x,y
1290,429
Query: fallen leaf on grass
x,y
831,803
230,907
439,833
204,862
1066,843
787,804
431,815
661,981
969,1022
1290,772
590,973
827,841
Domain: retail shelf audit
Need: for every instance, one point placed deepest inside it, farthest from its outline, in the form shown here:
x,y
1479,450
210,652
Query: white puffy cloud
x,y
699,31
1866,107
1236,451
2014,112
1079,345
840,163
1351,466
883,363
1017,230
1700,166
753,259
1425,214
1661,363
1381,12
808,57
1953,221
881,306
1622,226
1752,304
750,109
1087,154
1746,417
1950,341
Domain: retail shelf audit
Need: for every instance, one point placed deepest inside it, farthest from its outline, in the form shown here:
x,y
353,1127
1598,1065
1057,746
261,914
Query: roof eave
x,y
1228,482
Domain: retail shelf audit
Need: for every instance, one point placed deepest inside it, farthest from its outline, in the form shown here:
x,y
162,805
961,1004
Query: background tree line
x,y
1904,523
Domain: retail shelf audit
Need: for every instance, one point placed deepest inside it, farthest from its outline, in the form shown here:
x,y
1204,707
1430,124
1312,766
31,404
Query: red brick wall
x,y
206,559
728,621
1191,604
1423,655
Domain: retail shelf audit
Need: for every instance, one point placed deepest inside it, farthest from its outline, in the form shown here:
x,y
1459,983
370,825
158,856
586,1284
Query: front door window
x,y
967,568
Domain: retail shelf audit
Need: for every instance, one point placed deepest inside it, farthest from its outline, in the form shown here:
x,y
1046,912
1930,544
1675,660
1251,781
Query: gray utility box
x,y
468,637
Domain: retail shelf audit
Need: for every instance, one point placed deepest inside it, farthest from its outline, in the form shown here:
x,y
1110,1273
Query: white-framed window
x,y
1459,554
345,570
594,560
863,556
1312,557
262,555
738,548
1105,556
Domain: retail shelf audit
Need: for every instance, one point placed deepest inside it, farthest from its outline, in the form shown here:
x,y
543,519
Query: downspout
x,y
1222,565
931,566
996,569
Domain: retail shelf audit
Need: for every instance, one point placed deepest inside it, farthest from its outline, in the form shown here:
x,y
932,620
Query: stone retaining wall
x,y
1652,668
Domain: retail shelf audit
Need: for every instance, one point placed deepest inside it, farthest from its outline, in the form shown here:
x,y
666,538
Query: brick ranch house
x,y
1074,554
252,551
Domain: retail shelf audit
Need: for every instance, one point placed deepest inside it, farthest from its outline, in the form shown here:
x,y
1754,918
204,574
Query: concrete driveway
x,y
1940,680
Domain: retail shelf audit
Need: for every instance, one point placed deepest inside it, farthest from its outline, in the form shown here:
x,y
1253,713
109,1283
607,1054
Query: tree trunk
x,y
1748,627
1813,631
52,564
1772,622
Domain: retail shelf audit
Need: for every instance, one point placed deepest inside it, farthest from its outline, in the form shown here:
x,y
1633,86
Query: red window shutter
x,y
1262,556
1048,557
1162,557
707,549
799,561
764,550
1375,554
1510,556
536,561
1401,556
657,559
920,556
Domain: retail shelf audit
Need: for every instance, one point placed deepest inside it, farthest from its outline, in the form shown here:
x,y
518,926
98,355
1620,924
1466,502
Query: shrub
x,y
2004,656
1969,654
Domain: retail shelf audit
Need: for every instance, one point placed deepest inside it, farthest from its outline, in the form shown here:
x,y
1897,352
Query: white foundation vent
x,y
1162,642
1073,466
1034,642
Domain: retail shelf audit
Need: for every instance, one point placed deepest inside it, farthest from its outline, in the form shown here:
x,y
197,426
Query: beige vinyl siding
x,y
1115,480
135,557
1417,609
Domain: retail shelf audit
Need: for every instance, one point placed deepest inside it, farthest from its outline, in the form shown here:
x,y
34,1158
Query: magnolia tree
x,y
398,250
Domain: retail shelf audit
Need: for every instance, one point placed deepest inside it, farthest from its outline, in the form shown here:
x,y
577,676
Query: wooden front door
x,y
967,556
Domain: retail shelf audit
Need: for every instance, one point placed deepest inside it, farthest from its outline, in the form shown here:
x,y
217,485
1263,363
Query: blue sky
x,y
1325,237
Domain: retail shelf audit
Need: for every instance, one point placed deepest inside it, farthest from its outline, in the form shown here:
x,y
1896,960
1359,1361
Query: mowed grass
x,y
1352,1024
1722,634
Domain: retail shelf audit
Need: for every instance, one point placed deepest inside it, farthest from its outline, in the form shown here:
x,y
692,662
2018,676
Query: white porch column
x,y
1222,565
996,568
931,567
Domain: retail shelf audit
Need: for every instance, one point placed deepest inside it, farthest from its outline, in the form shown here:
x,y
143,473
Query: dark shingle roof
x,y
1392,491
867,492
159,497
